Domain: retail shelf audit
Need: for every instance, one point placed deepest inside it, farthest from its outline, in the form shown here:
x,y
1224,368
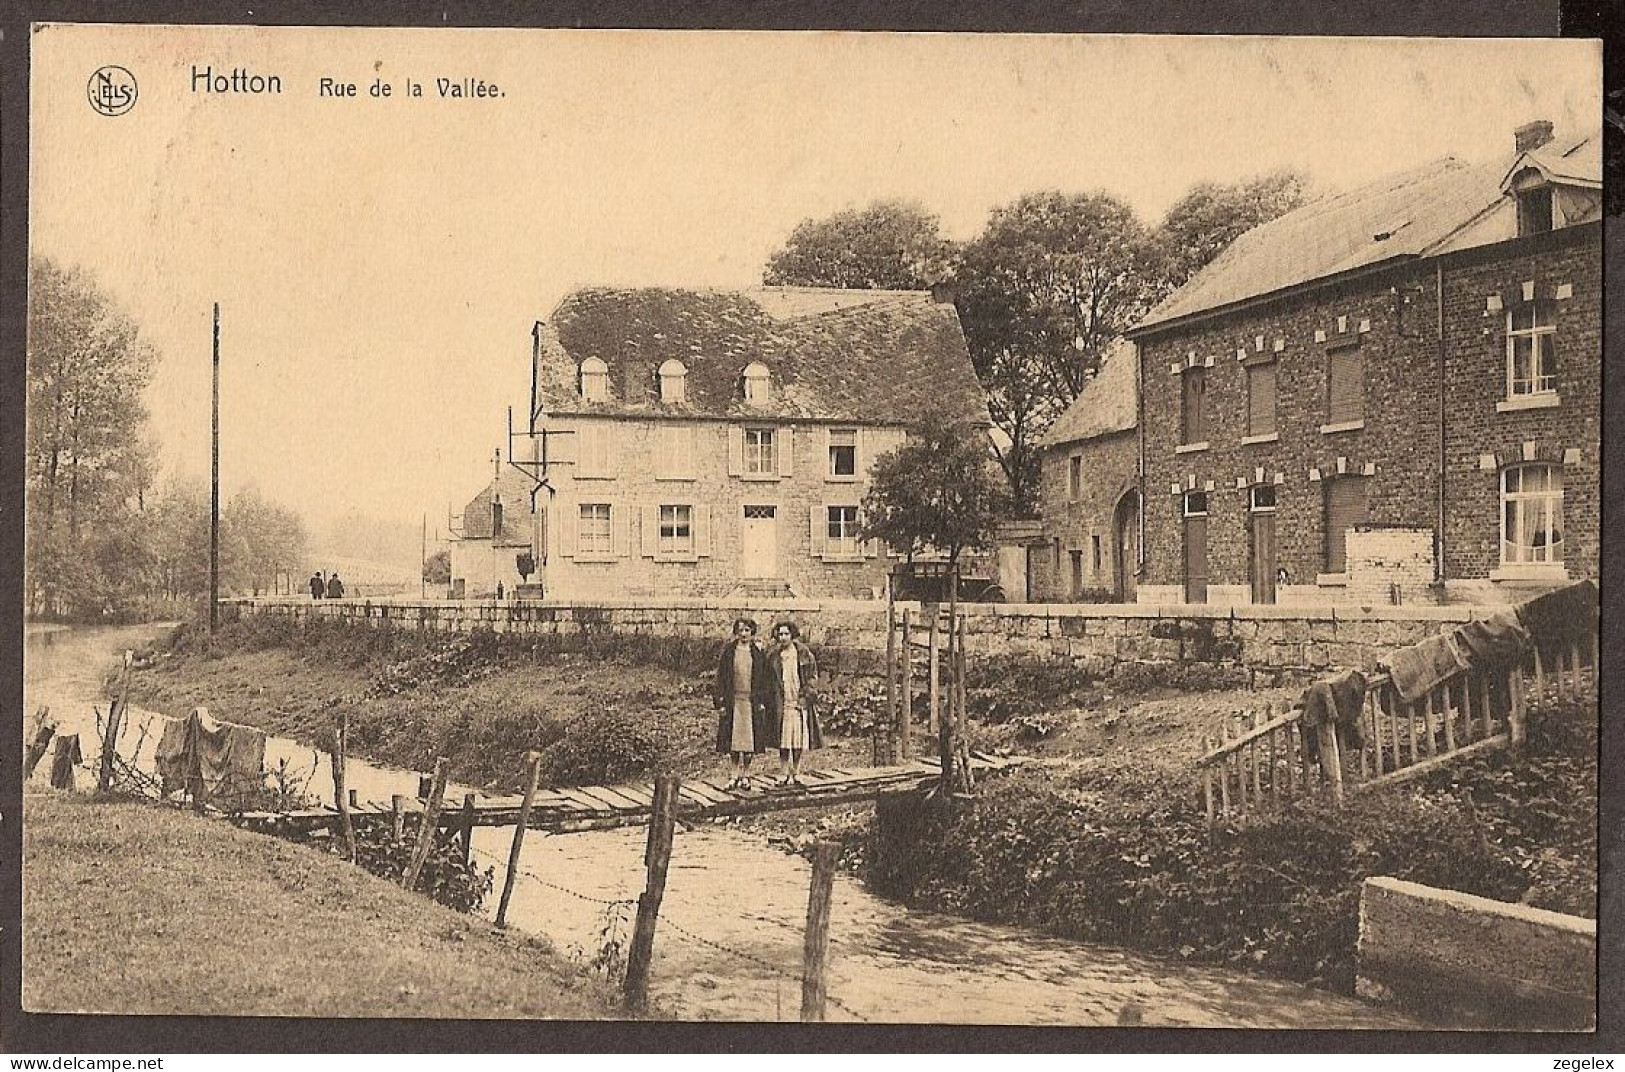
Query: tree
x,y
89,462
940,490
259,539
1199,226
894,245
1043,292
437,568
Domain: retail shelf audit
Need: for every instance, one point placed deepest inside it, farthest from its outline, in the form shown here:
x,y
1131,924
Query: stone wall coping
x,y
1461,612
1470,902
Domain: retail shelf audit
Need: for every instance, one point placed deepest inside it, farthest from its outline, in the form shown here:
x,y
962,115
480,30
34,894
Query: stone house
x,y
495,527
1089,493
701,443
1388,395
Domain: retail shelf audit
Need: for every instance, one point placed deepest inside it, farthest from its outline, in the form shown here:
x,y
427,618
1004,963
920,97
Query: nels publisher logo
x,y
112,90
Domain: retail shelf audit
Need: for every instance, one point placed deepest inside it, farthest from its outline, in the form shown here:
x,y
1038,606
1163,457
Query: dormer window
x,y
756,382
672,378
594,380
1535,210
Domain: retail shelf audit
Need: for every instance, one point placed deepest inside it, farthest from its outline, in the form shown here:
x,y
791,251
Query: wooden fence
x,y
1256,760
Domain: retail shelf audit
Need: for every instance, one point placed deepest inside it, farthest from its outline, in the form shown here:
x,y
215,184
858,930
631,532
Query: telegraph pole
x,y
214,485
423,559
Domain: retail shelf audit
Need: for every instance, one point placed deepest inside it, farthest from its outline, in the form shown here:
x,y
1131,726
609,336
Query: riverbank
x,y
130,908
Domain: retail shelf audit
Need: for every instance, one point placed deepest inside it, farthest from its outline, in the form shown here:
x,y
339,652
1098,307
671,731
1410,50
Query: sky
x,y
379,262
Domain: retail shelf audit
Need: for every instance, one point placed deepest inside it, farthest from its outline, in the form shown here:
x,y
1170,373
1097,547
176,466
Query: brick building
x,y
495,527
1087,548
711,443
1390,395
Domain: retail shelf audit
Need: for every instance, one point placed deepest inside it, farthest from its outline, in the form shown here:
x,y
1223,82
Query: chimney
x,y
1532,135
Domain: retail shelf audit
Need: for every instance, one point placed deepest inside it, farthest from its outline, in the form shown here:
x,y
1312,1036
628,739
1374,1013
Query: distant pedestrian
x,y
793,678
742,696
499,592
318,587
335,587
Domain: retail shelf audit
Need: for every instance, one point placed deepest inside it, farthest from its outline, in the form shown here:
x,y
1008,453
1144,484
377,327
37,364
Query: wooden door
x,y
759,543
1125,548
1196,560
1263,557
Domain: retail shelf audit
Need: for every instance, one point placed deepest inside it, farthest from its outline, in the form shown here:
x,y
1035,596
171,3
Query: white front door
x,y
759,542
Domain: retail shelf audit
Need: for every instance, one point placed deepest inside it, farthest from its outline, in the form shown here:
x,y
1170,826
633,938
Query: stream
x,y
729,937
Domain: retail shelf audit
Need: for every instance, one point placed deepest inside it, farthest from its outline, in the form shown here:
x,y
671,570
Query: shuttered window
x,y
1195,405
1261,398
1345,385
1345,508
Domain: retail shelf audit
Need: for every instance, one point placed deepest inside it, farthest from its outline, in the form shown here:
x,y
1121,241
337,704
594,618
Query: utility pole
x,y
214,485
423,559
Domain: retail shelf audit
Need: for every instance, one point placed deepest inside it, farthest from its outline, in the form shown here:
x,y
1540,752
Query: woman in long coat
x,y
793,679
740,695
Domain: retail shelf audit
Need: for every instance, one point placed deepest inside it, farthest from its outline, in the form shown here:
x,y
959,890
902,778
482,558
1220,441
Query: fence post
x,y
1331,759
534,759
815,944
894,723
63,760
907,670
933,687
657,855
468,827
115,715
431,820
44,730
1517,717
341,798
397,817
1207,779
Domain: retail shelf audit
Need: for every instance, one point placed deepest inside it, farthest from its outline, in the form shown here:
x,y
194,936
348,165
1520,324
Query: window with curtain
x,y
760,457
676,530
1531,364
1532,515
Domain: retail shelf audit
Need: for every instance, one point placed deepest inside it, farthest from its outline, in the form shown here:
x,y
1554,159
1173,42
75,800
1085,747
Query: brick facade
x,y
1390,318
1084,522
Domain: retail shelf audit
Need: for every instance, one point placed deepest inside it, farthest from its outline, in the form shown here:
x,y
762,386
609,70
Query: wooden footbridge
x,y
579,808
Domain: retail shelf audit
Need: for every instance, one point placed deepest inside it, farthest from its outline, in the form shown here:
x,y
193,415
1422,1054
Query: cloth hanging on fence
x,y
1337,701
1421,666
1487,643
1567,615
66,759
224,757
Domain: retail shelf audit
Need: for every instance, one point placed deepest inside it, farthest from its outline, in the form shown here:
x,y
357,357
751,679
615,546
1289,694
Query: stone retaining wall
x,y
1454,956
1277,640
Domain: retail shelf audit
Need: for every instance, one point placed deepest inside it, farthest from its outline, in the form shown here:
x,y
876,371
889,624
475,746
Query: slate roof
x,y
870,356
517,518
1107,403
1436,208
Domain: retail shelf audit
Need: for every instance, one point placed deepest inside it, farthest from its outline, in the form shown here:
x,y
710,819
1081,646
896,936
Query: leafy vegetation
x,y
1126,855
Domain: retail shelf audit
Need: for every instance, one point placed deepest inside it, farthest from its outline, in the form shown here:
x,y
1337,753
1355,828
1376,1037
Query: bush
x,y
444,877
1127,857
609,745
1180,677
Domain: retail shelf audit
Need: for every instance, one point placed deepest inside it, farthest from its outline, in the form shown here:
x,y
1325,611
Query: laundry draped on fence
x,y
1338,701
1551,620
210,757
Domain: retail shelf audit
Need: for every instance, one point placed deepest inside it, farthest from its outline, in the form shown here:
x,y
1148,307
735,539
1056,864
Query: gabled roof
x,y
1436,208
1108,403
1578,165
516,512
872,356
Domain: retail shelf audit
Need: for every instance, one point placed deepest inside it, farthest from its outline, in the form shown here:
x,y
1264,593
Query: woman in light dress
x,y
741,697
793,679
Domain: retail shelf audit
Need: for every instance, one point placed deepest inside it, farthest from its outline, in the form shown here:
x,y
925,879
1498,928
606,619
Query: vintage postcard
x,y
758,527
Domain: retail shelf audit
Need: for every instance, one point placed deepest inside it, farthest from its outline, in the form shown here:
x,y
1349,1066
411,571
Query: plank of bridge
x,y
610,798
716,787
695,796
582,801
643,794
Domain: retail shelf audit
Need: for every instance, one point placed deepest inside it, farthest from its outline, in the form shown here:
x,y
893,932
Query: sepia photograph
x,y
770,527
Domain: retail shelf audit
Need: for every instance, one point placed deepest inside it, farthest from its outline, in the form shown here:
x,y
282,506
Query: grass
x,y
131,908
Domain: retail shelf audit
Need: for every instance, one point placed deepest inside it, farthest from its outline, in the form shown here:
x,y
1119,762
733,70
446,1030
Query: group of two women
x,y
764,698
